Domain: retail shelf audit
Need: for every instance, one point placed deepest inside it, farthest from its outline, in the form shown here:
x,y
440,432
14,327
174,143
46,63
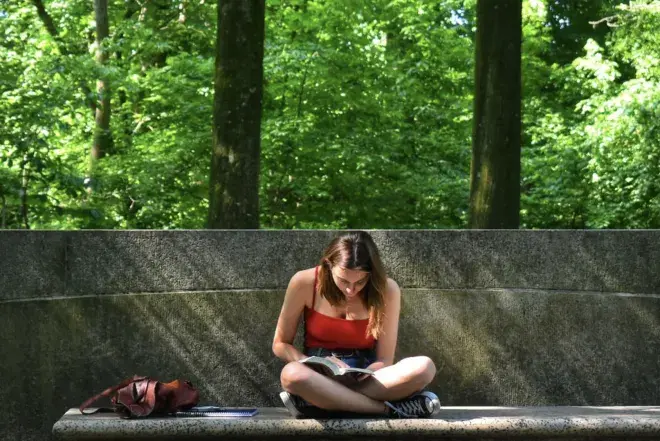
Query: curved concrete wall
x,y
54,264
509,317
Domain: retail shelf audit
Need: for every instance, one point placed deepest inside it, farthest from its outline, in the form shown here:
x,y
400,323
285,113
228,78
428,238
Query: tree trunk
x,y
102,135
125,115
25,179
234,180
495,168
3,212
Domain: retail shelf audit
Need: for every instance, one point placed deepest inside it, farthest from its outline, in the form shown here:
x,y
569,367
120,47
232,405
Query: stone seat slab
x,y
477,423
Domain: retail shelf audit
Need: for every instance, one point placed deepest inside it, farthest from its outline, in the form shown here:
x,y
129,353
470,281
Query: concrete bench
x,y
474,423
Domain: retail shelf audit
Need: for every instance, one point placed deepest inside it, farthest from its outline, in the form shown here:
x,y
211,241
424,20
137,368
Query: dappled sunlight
x,y
168,330
523,259
241,326
168,261
215,339
649,320
531,347
470,358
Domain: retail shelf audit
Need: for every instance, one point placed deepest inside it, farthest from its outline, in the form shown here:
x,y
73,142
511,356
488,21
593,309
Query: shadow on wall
x,y
220,341
61,352
169,261
505,348
490,347
52,264
612,261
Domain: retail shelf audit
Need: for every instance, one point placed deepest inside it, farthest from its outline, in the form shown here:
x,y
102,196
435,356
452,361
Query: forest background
x,y
366,117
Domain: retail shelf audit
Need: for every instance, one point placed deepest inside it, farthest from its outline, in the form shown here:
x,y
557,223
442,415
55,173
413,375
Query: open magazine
x,y
331,369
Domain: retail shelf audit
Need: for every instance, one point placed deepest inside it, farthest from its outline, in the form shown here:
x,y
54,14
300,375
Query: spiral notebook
x,y
216,411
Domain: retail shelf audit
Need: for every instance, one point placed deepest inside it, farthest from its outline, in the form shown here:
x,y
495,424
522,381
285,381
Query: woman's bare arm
x,y
386,345
287,323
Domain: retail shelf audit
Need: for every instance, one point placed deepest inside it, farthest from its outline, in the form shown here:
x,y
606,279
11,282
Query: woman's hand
x,y
372,367
375,366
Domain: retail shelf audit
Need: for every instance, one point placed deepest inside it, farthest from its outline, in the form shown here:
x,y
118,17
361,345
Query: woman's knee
x,y
422,369
293,376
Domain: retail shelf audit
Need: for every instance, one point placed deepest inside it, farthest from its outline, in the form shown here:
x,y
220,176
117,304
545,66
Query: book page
x,y
355,370
321,365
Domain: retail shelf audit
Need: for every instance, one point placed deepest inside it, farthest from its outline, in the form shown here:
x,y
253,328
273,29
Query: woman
x,y
351,311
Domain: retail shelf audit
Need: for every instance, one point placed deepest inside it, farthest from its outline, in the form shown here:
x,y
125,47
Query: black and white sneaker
x,y
299,408
294,404
420,405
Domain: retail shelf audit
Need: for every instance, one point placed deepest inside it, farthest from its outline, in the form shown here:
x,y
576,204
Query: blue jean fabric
x,y
360,358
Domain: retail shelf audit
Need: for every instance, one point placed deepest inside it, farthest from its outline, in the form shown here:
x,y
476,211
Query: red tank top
x,y
324,331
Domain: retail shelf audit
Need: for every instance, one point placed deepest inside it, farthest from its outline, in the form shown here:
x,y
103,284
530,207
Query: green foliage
x,y
161,76
591,154
367,116
622,122
366,119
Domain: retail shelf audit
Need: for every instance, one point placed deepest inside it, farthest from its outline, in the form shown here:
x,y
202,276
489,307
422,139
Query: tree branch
x,y
46,19
52,30
610,21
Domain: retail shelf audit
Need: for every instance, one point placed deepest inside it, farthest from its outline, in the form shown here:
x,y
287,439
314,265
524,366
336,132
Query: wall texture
x,y
509,317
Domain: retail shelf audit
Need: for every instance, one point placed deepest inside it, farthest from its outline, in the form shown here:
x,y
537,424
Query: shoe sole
x,y
290,406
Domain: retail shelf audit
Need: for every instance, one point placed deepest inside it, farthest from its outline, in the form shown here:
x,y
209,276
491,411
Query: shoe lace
x,y
407,408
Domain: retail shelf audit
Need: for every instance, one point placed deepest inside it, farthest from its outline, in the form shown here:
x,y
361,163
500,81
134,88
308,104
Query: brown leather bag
x,y
144,396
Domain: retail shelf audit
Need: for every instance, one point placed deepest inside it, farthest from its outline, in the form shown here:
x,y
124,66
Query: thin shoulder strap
x,y
316,276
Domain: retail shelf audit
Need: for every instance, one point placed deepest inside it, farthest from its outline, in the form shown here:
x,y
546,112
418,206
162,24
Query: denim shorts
x,y
360,358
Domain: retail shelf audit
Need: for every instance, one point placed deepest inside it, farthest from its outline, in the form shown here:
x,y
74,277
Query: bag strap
x,y
106,393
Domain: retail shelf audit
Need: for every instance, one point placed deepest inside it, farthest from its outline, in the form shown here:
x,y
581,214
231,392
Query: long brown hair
x,y
356,251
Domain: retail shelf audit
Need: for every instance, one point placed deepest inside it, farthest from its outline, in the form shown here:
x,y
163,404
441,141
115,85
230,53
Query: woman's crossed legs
x,y
390,383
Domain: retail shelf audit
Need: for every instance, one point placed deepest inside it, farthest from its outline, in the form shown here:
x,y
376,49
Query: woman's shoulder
x,y
304,277
393,288
302,283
